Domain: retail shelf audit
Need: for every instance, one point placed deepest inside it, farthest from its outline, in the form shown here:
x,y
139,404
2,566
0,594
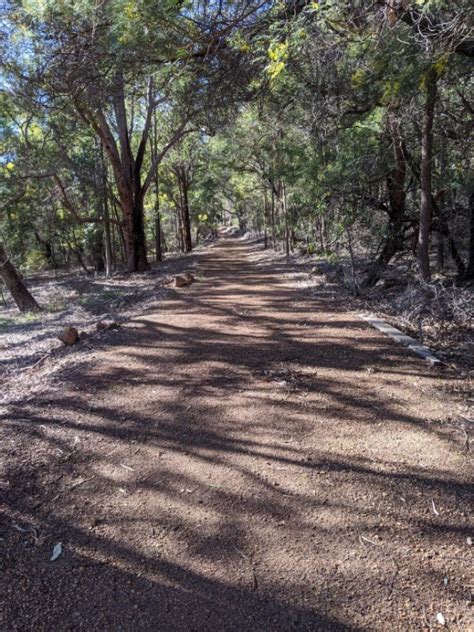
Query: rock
x,y
105,324
83,335
69,336
180,280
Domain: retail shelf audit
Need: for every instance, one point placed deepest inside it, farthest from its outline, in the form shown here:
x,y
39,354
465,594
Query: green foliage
x,y
34,261
293,109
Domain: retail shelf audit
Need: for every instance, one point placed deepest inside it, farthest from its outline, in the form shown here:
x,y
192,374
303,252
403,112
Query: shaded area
x,y
237,458
77,300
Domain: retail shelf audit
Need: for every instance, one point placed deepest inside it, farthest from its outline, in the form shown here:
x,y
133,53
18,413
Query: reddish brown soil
x,y
238,458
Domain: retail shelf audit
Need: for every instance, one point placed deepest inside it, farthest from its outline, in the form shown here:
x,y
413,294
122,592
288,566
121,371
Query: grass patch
x,y
20,319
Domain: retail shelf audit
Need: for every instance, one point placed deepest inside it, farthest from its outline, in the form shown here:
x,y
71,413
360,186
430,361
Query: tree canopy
x,y
130,128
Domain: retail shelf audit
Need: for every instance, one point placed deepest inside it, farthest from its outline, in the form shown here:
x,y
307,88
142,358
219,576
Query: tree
x,y
14,283
113,65
426,175
311,124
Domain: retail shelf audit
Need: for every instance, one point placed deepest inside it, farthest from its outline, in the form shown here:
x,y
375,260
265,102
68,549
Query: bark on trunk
x,y
182,177
423,254
187,239
20,293
106,217
134,232
158,248
137,259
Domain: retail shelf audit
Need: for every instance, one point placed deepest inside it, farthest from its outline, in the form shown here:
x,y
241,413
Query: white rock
x,y
440,618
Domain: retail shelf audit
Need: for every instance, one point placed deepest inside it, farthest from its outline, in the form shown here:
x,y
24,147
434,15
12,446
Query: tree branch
x,y
72,209
178,134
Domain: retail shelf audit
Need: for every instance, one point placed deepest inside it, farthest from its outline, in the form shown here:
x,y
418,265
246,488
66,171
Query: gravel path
x,y
238,457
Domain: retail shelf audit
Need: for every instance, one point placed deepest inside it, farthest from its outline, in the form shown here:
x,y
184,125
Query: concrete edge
x,y
401,338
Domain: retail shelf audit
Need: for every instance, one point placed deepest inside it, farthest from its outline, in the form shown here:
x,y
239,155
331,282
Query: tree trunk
x,y
397,205
445,233
115,136
265,219
188,242
46,247
426,177
469,273
22,297
76,250
440,252
107,241
134,233
137,260
442,224
158,247
97,248
158,231
440,259
123,249
106,217
184,216
178,228
134,229
272,217
284,203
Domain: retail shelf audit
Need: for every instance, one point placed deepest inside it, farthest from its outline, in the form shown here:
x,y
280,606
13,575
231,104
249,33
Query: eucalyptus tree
x,y
20,293
113,65
8,270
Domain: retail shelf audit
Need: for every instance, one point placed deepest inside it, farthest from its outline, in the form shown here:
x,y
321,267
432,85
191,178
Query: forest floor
x,y
246,454
71,298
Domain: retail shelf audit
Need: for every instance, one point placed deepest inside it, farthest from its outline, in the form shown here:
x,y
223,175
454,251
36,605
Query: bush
x,y
35,261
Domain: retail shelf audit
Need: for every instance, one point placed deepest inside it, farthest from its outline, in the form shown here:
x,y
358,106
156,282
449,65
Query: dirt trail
x,y
237,458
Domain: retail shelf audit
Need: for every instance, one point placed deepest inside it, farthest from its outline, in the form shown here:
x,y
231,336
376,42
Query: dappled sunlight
x,y
219,447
